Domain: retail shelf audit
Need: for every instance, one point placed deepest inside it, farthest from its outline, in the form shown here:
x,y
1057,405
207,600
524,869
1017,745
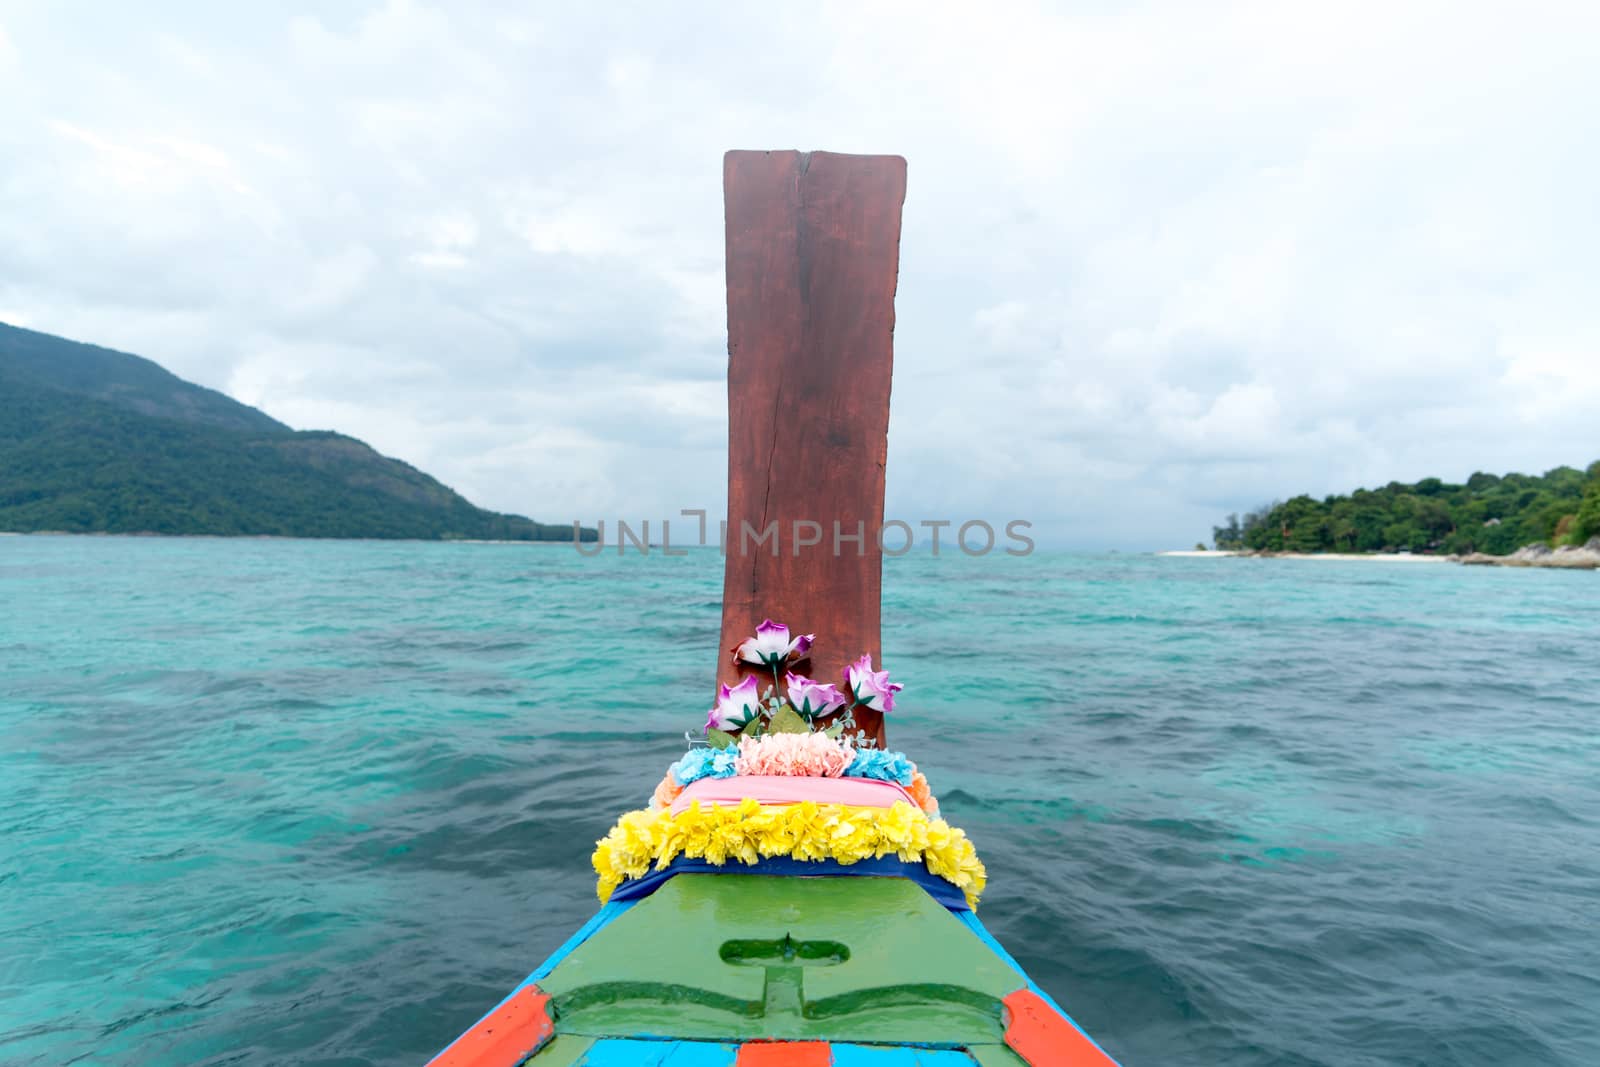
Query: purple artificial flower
x,y
736,706
812,699
871,688
771,645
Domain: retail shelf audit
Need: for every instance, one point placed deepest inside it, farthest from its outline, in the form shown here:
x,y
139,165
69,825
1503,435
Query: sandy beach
x,y
1586,557
1374,557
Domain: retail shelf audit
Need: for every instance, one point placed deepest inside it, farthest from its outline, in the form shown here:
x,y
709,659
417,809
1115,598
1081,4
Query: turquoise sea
x,y
293,802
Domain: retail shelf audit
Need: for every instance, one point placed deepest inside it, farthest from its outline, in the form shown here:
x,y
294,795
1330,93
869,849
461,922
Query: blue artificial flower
x,y
698,763
885,766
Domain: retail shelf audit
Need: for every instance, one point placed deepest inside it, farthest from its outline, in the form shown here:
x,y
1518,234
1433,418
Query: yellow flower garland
x,y
804,831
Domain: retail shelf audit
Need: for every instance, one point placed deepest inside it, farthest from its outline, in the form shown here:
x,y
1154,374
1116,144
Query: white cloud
x,y
333,281
1159,262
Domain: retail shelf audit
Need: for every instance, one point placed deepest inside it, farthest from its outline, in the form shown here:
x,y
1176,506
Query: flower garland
x,y
885,766
780,732
805,831
801,755
698,763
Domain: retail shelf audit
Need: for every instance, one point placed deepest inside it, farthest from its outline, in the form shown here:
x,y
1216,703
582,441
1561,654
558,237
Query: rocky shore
x,y
1568,557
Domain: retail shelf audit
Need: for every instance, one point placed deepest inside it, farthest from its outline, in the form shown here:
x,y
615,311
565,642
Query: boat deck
x,y
736,969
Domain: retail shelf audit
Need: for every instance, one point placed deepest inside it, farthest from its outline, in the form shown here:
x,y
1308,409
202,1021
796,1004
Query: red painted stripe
x,y
507,1036
1042,1036
785,1054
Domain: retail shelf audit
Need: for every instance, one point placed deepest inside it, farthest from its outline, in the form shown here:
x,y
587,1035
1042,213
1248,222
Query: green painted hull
x,y
709,963
737,957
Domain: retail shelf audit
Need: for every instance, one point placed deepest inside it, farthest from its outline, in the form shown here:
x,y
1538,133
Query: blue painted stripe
x,y
632,1052
621,1052
977,927
701,1054
898,1056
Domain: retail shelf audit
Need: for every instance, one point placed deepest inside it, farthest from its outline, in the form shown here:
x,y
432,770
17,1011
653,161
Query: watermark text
x,y
807,537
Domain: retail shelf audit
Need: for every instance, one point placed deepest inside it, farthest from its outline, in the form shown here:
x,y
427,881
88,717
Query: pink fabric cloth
x,y
792,789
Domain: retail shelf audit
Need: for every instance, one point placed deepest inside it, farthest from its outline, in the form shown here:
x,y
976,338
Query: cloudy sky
x,y
1160,261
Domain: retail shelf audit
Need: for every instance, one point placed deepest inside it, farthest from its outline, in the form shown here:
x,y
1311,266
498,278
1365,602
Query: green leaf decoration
x,y
835,731
789,721
719,738
753,727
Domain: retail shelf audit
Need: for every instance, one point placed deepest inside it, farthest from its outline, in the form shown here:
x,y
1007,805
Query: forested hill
x,y
1490,513
131,382
97,441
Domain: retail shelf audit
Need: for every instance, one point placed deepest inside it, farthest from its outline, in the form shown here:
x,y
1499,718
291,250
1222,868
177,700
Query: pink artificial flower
x,y
771,645
736,706
812,699
809,755
867,685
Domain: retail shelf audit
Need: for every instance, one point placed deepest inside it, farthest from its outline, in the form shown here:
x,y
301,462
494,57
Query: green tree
x,y
1489,513
1588,515
1230,535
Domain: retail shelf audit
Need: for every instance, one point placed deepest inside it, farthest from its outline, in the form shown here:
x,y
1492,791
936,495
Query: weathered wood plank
x,y
813,255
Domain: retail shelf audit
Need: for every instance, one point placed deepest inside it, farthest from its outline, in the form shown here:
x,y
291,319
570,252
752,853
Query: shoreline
x,y
1363,557
1567,557
143,536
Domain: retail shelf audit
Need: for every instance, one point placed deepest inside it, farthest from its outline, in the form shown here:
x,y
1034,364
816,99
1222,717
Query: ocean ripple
x,y
269,802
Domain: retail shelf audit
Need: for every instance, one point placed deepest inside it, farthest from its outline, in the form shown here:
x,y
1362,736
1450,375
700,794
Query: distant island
x,y
98,441
1551,519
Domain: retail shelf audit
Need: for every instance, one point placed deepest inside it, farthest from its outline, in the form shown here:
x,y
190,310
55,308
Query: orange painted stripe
x,y
507,1036
1042,1036
785,1054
